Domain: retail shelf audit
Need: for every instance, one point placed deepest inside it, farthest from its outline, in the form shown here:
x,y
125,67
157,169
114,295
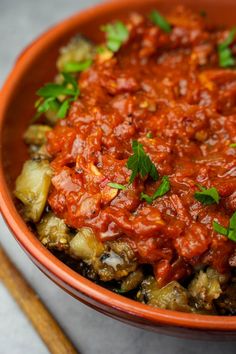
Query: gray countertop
x,y
92,333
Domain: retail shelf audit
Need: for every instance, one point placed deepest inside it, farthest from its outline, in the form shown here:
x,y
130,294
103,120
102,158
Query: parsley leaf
x,y
230,231
74,67
226,58
161,190
116,34
61,113
53,91
160,21
116,185
50,93
220,229
207,196
233,145
146,197
232,228
140,163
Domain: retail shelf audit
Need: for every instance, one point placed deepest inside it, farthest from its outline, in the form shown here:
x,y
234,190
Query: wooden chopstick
x,y
46,326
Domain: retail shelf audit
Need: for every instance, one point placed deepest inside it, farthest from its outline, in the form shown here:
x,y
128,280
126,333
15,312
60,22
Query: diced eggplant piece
x,y
39,152
116,262
132,280
171,297
85,245
32,187
222,278
36,134
53,232
148,287
111,260
206,287
78,50
226,303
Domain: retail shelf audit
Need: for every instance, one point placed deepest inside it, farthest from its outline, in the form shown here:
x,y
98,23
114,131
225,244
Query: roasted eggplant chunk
x,y
32,187
173,296
79,49
53,232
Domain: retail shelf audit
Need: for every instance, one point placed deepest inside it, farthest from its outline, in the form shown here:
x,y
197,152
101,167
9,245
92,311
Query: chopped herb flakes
x,y
117,33
116,185
226,58
207,196
160,21
140,163
74,67
230,231
161,190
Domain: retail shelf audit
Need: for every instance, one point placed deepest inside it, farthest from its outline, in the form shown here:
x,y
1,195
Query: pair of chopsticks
x,y
46,326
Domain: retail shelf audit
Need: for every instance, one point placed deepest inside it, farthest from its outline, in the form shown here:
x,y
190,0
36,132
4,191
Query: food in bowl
x,y
131,179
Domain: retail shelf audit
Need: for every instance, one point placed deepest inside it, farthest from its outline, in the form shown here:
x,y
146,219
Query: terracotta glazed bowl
x,y
35,66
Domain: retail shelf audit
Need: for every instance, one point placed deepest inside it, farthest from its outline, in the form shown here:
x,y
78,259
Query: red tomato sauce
x,y
169,85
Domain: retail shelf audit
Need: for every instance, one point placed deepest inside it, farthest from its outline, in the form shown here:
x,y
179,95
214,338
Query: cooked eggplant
x,y
32,187
78,50
36,134
85,245
53,232
111,260
173,296
39,152
116,262
206,287
132,280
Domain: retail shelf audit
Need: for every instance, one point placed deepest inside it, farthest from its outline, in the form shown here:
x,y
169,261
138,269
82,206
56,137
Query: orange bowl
x,y
35,66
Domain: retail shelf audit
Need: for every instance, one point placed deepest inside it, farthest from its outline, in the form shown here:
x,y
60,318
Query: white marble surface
x,y
92,333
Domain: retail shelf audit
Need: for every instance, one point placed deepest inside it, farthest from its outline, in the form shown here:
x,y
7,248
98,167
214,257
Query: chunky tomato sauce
x,y
167,91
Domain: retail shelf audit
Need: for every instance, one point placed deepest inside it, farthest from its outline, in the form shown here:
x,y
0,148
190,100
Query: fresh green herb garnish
x,y
117,33
50,93
160,21
230,231
116,185
207,196
140,163
149,199
74,67
161,190
61,113
43,105
149,135
226,58
233,145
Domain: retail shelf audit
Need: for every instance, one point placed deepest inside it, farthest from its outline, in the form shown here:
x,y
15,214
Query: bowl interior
x,y
41,67
37,66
